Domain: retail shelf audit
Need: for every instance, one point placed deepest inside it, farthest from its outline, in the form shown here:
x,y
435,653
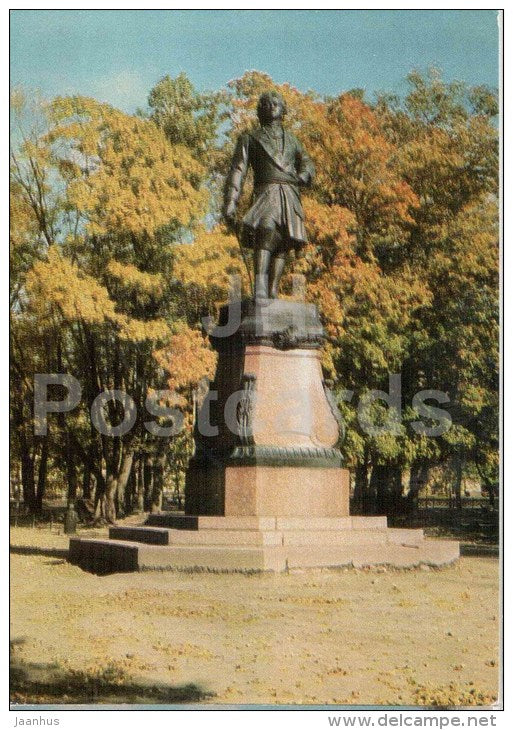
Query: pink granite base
x,y
283,491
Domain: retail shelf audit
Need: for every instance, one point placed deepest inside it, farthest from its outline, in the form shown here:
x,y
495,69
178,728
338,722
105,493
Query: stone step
x,y
108,556
166,536
192,522
434,553
352,537
150,535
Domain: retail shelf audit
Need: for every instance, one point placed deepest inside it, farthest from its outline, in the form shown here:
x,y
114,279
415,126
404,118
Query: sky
x,y
118,55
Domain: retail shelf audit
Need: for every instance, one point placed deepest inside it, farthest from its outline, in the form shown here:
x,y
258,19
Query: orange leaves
x,y
367,314
357,166
332,228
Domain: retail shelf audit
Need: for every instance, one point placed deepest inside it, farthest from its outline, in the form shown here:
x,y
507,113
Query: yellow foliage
x,y
187,358
23,228
132,278
136,330
171,398
124,175
58,284
210,260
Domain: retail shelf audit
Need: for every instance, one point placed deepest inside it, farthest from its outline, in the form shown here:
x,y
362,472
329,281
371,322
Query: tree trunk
x,y
42,472
458,479
148,483
419,477
140,484
487,484
115,481
123,477
28,478
71,471
178,494
86,482
99,493
158,484
109,498
129,496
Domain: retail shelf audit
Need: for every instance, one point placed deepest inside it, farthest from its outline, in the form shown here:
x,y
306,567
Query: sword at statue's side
x,y
236,229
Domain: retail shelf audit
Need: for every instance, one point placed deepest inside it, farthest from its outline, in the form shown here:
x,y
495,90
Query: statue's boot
x,y
262,262
277,266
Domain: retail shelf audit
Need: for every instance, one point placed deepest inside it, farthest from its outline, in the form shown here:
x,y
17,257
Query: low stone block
x,y
301,549
404,536
172,520
335,537
230,522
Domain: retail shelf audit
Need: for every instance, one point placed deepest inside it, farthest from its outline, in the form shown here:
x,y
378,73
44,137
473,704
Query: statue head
x,y
271,106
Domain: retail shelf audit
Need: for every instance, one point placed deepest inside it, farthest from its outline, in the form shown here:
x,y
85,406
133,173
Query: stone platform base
x,y
246,544
292,491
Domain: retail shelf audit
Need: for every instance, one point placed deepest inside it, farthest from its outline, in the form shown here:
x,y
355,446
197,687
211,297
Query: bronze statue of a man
x,y
274,225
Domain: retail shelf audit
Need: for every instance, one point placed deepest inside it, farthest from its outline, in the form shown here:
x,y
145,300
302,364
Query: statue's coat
x,y
278,176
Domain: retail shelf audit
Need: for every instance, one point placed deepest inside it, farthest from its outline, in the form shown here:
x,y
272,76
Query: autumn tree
x,y
449,155
34,212
104,292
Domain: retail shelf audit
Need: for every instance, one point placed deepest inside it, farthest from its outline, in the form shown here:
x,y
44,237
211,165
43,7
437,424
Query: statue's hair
x,y
265,97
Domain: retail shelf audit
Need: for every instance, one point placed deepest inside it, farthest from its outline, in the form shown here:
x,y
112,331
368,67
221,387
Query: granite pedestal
x,y
266,488
267,431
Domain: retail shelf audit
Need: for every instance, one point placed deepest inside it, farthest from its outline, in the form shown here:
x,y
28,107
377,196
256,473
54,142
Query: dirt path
x,y
322,637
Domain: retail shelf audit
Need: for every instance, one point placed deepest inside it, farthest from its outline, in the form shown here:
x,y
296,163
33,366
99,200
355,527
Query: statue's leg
x,y
281,249
264,246
262,261
277,266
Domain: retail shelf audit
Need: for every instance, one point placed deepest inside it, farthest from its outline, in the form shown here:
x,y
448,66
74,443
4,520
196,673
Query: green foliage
x,y
186,116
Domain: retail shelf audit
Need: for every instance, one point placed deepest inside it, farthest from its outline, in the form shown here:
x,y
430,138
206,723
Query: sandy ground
x,y
426,637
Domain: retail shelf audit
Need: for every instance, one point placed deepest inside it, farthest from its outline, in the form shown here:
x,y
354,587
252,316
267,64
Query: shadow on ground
x,y
53,684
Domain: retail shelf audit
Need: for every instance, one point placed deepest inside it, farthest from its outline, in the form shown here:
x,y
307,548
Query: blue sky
x,y
118,55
